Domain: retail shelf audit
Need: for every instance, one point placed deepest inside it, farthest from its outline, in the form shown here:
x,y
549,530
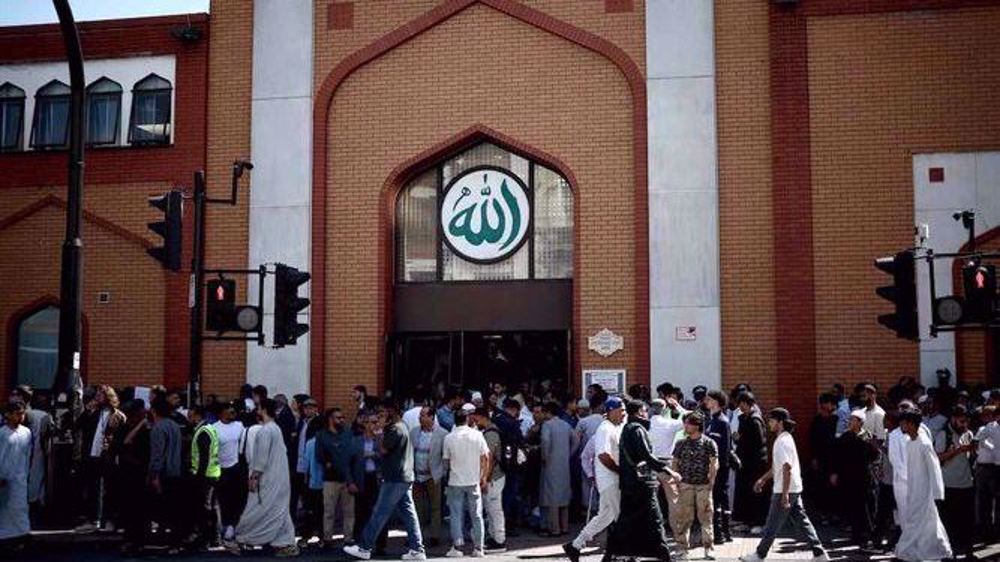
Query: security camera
x,y
239,166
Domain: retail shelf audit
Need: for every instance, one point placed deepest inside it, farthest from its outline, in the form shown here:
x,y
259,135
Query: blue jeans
x,y
776,517
460,499
393,498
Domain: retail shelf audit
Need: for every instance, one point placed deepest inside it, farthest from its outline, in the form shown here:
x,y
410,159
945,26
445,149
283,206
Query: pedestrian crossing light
x,y
902,293
169,254
288,304
980,284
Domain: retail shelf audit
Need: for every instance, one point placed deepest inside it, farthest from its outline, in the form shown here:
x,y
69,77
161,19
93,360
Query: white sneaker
x,y
681,554
358,552
757,531
85,528
414,555
709,553
454,553
821,558
476,553
752,557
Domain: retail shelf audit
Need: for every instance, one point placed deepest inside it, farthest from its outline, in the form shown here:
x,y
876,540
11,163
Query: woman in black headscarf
x,y
639,530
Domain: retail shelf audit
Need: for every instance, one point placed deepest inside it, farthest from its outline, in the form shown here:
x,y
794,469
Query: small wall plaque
x,y
605,343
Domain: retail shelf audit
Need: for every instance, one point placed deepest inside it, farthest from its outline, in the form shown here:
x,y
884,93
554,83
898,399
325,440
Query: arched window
x,y
38,348
104,111
11,117
50,128
486,214
150,120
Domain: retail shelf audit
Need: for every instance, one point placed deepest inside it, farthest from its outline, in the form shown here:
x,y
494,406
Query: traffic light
x,y
980,284
288,304
169,228
222,314
902,293
220,305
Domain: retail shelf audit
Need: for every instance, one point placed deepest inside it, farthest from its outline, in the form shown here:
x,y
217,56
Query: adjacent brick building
x,y
709,181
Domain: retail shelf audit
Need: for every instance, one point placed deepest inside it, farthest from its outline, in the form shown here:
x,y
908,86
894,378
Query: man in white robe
x,y
897,457
924,537
15,458
266,519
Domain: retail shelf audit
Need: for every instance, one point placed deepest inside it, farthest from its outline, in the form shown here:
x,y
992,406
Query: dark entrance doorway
x,y
425,364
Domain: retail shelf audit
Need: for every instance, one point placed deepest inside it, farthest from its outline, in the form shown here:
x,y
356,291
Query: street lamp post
x,y
68,373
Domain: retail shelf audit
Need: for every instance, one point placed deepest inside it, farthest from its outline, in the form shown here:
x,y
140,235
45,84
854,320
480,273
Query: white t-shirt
x,y
874,425
784,452
462,448
663,434
229,442
606,441
97,445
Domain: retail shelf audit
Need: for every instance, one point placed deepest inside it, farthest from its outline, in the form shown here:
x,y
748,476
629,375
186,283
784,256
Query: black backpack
x,y
511,457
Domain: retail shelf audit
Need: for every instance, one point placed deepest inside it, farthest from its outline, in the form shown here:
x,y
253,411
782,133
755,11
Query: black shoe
x,y
494,546
572,552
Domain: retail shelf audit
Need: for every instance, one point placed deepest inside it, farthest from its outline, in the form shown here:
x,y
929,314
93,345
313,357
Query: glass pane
x,y
52,121
553,225
54,88
38,349
104,86
455,268
11,113
102,118
150,117
486,154
416,230
9,90
152,82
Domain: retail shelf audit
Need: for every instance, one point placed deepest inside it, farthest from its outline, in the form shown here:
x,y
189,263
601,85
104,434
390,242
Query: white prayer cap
x,y
583,403
860,414
468,408
476,395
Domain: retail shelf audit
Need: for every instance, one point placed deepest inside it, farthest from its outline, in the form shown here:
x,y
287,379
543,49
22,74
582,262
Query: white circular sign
x,y
485,214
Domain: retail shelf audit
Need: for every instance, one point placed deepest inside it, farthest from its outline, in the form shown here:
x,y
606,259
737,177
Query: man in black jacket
x,y
718,430
851,475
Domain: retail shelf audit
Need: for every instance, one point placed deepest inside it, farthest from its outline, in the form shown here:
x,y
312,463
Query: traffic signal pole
x,y
71,276
197,301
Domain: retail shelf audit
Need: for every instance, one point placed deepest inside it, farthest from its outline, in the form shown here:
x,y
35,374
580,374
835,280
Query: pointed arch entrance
x,y
482,268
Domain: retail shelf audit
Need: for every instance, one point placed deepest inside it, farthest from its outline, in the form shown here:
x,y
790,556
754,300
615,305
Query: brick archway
x,y
321,115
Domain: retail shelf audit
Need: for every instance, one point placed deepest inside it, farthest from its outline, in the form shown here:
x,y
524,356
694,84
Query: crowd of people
x,y
914,470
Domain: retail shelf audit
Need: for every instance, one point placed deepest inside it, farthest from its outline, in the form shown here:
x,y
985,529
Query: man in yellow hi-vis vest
x,y
205,471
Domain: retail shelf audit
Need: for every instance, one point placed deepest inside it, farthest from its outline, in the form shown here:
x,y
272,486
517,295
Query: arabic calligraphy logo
x,y
485,214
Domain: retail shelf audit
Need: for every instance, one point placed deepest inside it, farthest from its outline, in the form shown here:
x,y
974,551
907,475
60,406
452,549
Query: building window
x,y
51,122
104,110
423,253
38,348
150,121
11,116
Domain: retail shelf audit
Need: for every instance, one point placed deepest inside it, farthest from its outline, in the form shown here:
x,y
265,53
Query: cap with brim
x,y
613,403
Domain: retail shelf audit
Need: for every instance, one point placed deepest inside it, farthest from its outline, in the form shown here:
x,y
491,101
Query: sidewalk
x,y
65,545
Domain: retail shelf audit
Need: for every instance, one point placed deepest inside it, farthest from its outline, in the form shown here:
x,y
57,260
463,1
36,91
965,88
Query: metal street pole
x,y
197,282
71,279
